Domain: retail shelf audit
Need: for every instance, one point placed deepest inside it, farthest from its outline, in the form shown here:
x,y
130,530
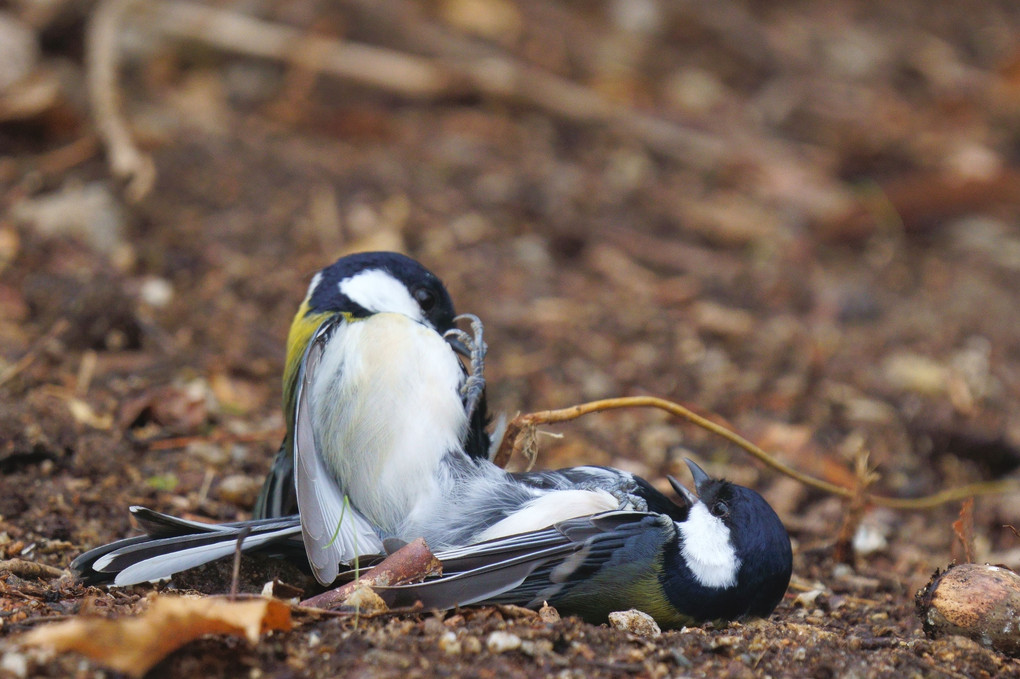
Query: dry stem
x,y
411,563
520,424
126,161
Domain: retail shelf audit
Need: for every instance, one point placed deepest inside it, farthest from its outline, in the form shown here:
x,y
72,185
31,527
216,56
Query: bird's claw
x,y
474,385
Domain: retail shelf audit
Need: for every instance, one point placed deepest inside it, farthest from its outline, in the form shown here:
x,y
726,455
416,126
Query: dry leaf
x,y
963,527
134,645
180,407
83,413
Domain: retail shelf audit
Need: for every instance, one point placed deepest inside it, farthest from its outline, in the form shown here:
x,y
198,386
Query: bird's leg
x,y
474,385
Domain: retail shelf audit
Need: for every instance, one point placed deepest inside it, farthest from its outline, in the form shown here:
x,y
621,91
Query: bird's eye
x,y
721,509
426,299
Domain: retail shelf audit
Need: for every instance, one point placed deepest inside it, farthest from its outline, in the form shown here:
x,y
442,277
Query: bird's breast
x,y
387,408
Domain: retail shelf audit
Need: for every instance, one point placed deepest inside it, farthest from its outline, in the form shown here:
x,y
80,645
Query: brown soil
x,y
838,276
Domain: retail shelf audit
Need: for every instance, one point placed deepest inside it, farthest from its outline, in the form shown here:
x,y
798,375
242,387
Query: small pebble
x,y
449,644
501,642
471,644
239,489
366,601
636,622
536,647
548,614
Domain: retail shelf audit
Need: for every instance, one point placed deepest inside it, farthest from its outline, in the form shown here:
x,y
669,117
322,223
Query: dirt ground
x,y
800,218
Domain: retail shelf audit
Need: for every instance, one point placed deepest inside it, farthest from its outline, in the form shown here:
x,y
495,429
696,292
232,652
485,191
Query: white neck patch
x,y
707,550
379,292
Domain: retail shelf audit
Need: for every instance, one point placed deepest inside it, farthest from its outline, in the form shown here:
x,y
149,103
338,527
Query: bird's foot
x,y
474,385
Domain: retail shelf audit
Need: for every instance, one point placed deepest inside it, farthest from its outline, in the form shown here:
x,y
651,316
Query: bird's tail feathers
x,y
172,544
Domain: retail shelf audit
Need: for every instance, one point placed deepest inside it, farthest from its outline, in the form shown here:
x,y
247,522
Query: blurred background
x,y
801,218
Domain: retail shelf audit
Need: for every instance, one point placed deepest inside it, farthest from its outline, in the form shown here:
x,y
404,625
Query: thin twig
x,y
494,76
33,352
519,427
411,563
235,575
126,161
843,552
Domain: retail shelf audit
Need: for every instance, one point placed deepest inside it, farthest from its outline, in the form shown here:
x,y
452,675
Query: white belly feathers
x,y
406,409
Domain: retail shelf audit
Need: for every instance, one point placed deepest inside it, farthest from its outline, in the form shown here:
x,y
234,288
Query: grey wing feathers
x,y
332,530
519,568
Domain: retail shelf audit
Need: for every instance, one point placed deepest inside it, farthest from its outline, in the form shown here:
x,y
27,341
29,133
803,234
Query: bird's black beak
x,y
457,345
700,477
687,496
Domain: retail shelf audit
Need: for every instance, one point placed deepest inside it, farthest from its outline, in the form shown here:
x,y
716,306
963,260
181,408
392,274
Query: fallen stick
x,y
411,563
496,76
520,436
126,162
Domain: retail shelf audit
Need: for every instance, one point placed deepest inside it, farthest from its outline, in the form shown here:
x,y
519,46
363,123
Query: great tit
x,y
720,554
374,395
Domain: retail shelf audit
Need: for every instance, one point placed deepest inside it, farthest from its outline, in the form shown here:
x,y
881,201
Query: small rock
x,y
15,664
868,540
155,291
536,647
722,320
449,644
209,452
636,622
915,373
805,599
239,489
90,213
19,50
366,601
548,614
501,642
471,644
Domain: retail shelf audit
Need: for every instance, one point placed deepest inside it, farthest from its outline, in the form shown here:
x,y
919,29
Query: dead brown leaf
x,y
963,527
134,645
178,407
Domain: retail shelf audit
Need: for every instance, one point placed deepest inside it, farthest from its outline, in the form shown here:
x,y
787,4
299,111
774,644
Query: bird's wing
x,y
333,531
172,545
276,498
525,568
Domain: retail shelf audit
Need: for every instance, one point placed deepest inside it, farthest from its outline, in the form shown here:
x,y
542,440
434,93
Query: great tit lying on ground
x,y
386,440
721,554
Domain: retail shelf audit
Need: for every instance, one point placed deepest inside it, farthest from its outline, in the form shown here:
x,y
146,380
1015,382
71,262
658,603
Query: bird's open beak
x,y
700,477
687,496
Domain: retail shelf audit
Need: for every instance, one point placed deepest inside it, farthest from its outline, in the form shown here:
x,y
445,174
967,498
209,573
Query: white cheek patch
x,y
707,550
379,292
